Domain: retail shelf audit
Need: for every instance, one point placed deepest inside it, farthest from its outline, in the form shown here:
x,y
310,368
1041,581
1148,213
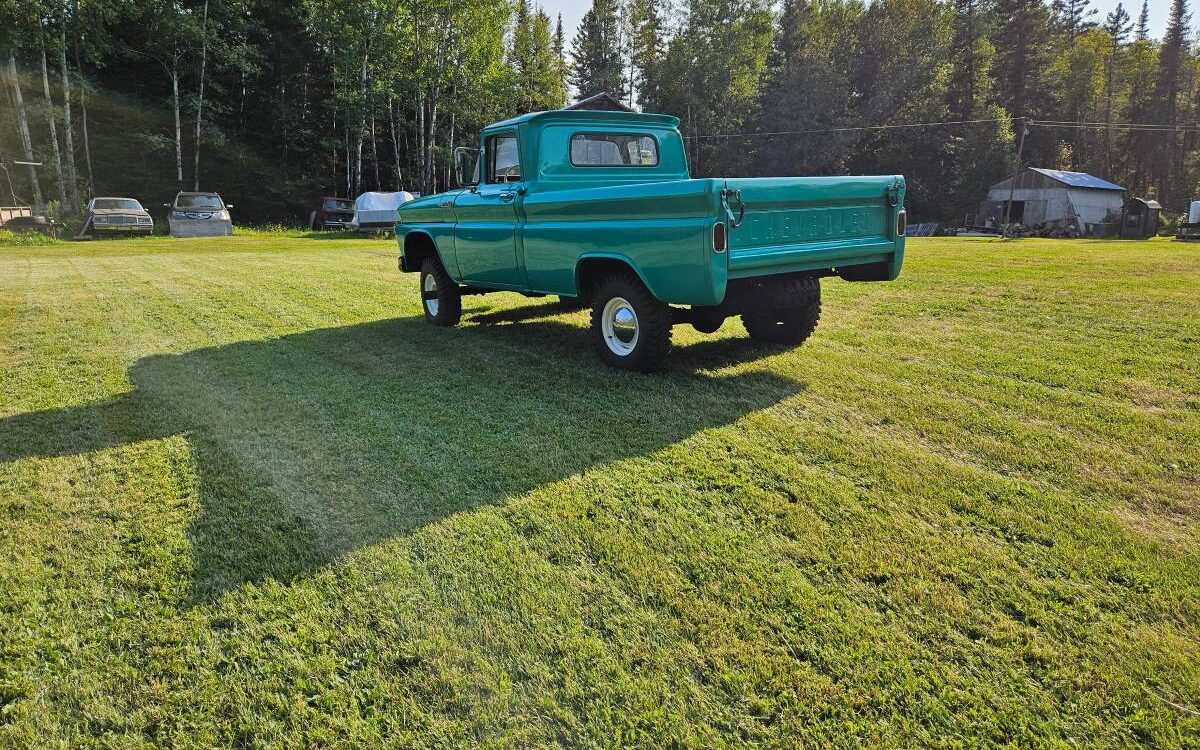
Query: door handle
x,y
507,195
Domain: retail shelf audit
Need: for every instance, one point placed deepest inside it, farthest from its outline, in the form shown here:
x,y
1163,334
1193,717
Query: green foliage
x,y
536,66
327,97
26,239
248,498
596,52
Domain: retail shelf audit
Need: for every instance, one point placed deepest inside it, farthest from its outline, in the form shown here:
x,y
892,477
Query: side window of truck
x,y
502,162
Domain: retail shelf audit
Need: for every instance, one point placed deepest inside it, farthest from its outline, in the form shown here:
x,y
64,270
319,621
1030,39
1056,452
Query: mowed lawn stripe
x,y
249,498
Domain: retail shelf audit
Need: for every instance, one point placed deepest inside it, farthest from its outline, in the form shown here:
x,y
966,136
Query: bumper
x,y
124,228
201,228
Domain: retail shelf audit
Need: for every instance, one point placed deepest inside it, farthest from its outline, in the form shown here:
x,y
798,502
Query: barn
x,y
1053,198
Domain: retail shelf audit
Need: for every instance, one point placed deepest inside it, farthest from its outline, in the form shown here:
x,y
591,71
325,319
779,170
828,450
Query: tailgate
x,y
809,223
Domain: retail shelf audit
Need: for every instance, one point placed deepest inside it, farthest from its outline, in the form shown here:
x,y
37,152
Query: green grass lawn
x,y
248,498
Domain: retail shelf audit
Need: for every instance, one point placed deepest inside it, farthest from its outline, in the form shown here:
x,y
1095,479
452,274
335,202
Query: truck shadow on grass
x,y
312,445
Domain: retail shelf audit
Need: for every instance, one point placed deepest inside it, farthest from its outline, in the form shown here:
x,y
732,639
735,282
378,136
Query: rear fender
x,y
593,267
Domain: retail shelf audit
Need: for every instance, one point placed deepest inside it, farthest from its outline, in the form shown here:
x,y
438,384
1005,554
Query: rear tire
x,y
441,299
631,329
793,315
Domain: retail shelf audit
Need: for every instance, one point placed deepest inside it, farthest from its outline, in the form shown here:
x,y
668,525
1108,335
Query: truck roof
x,y
589,115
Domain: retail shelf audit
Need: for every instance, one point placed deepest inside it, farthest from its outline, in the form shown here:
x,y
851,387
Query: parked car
x,y
122,215
598,207
333,213
199,215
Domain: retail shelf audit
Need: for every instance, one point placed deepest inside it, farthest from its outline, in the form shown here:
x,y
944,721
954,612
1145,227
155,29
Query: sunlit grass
x,y
248,498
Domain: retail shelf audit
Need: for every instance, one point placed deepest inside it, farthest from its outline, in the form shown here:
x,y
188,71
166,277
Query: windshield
x,y
332,204
126,204
211,202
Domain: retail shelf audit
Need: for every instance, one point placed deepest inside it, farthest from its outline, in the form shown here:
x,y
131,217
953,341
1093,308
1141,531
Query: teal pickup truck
x,y
598,207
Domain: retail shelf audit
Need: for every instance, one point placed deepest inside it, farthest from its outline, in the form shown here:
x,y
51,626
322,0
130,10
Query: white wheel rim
x,y
619,326
429,291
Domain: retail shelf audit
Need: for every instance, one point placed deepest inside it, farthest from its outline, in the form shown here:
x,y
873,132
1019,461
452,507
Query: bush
x,y
26,239
1168,223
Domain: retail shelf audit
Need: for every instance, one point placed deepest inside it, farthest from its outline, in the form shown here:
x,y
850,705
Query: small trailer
x,y
378,210
13,212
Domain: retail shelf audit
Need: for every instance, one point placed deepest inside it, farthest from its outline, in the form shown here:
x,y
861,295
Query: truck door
x,y
485,233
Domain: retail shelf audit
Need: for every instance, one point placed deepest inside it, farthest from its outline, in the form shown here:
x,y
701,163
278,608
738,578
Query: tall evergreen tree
x,y
1119,26
560,52
646,50
535,66
980,153
1143,22
1172,58
1021,40
597,64
1072,17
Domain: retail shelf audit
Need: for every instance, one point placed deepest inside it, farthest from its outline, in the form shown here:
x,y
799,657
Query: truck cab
x,y
594,206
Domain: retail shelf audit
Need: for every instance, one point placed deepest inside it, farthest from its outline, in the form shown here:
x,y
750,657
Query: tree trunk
x,y
362,118
68,130
422,154
58,167
375,152
23,128
178,126
395,141
83,113
200,97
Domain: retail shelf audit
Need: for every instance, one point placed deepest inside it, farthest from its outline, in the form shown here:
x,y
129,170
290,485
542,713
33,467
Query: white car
x,y
199,215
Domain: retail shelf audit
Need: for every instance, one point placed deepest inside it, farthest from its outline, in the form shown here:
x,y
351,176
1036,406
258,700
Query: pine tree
x,y
597,66
1143,22
646,49
538,78
560,52
1172,56
1072,17
1119,25
1021,42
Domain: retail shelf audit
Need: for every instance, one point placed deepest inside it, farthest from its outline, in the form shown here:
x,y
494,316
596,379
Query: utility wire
x,y
1131,126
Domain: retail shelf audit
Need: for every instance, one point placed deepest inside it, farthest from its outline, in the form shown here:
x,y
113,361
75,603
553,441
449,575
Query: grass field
x,y
249,499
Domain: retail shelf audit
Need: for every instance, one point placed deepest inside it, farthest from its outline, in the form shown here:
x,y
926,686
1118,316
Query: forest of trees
x,y
274,103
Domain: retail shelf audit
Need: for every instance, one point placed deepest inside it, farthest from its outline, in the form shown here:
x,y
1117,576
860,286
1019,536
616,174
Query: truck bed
x,y
665,229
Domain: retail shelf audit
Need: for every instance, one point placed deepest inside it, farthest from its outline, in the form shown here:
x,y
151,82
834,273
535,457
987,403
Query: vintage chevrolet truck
x,y
598,208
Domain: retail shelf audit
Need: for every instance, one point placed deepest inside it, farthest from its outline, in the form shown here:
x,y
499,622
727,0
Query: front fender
x,y
442,238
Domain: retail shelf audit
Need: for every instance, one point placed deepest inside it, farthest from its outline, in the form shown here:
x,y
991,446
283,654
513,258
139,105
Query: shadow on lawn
x,y
312,445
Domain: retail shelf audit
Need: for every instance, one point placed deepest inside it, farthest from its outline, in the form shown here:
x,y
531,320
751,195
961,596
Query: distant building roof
x,y
1077,179
602,101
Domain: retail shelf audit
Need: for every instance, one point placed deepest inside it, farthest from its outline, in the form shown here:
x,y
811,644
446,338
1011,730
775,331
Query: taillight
x,y
901,223
720,242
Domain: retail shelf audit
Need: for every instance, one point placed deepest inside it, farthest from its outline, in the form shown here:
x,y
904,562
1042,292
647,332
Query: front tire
x,y
793,315
631,329
441,299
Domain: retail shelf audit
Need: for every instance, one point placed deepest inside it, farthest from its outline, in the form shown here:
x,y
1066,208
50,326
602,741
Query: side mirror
x,y
166,205
228,206
464,165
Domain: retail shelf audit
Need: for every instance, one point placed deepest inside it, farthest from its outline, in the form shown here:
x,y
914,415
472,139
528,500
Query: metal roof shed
x,y
1043,197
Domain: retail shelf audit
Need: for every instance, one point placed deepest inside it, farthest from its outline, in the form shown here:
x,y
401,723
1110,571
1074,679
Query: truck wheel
x,y
631,328
441,298
793,316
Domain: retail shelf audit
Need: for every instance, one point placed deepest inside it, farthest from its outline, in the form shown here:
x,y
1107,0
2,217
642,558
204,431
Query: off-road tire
x,y
446,292
653,322
791,313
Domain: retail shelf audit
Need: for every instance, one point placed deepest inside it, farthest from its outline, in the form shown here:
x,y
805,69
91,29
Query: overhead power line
x,y
1131,126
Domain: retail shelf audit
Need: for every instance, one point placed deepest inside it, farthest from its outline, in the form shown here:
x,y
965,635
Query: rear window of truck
x,y
614,150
